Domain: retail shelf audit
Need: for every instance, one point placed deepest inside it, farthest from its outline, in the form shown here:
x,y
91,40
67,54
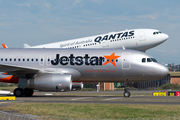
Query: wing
x,y
28,72
19,71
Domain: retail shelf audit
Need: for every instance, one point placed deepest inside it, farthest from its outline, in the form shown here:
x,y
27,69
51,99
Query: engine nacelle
x,y
77,86
51,82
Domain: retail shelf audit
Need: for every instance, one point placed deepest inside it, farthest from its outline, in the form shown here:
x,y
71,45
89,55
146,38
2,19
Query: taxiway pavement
x,y
105,97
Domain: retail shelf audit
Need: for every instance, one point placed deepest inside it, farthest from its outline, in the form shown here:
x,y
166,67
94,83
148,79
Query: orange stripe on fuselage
x,y
10,79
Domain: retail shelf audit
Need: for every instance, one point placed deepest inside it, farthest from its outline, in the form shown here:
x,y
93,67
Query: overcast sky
x,y
44,21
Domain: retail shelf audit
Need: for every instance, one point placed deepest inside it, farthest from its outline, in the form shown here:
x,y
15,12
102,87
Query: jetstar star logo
x,y
111,59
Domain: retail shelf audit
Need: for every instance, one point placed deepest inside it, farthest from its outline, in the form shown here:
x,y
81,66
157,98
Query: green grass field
x,y
8,88
101,111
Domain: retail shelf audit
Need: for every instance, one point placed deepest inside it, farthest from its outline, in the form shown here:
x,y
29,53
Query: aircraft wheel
x,y
28,92
127,94
18,92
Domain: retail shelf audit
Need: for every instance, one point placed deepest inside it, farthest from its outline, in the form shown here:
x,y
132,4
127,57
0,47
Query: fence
x,y
13,116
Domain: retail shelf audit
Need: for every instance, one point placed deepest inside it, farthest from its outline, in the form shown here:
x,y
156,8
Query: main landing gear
x,y
20,92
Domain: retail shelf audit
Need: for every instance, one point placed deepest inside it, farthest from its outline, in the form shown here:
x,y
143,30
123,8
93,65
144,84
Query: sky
x,y
38,22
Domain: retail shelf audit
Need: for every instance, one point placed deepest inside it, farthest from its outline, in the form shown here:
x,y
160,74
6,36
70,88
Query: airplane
x,y
56,69
137,39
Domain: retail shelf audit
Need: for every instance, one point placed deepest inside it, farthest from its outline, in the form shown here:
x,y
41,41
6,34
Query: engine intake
x,y
51,82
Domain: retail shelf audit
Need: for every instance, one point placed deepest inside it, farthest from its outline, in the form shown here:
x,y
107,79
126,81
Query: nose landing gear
x,y
126,93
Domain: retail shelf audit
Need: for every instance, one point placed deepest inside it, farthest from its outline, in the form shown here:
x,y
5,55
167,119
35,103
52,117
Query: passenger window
x,y
14,59
28,59
41,59
144,60
36,59
1,59
19,59
149,60
10,59
23,59
116,60
6,59
32,59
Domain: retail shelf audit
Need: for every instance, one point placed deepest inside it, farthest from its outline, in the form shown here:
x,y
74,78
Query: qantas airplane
x,y
56,69
137,39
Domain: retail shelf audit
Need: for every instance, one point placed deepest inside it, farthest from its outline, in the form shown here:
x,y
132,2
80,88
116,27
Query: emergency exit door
x,y
126,64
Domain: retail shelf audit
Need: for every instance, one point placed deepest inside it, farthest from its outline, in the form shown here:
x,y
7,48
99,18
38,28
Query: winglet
x,y
4,46
26,46
123,47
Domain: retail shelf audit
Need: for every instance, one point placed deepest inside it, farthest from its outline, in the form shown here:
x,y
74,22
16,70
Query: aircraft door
x,y
142,36
126,64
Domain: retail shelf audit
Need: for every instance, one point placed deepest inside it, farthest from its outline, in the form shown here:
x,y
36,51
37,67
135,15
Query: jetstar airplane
x,y
137,39
56,69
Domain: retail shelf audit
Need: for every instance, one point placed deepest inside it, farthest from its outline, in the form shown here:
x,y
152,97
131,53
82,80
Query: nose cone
x,y
163,71
165,36
161,38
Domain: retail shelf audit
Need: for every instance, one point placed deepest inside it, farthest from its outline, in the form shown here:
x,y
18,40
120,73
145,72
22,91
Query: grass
x,y
8,88
101,111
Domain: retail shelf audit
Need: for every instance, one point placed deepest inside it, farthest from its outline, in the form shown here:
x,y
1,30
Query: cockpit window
x,y
157,32
144,60
154,60
149,60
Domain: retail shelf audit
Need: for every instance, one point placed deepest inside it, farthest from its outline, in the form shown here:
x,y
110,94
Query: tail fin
x,y
26,46
4,46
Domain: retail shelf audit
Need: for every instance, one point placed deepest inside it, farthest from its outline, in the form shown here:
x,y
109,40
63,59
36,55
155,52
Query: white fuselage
x,y
137,39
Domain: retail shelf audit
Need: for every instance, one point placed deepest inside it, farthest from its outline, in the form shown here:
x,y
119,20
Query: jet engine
x,y
51,82
77,86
